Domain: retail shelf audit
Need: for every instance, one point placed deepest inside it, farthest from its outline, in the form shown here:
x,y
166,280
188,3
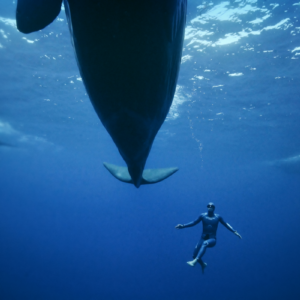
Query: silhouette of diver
x,y
210,222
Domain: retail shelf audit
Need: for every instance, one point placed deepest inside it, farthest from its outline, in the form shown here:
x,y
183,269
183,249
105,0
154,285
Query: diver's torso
x,y
210,226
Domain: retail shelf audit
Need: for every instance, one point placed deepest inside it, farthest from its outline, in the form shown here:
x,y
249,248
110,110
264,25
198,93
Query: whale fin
x,y
34,15
120,173
156,175
150,176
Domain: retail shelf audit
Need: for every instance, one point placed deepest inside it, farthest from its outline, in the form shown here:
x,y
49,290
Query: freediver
x,y
210,222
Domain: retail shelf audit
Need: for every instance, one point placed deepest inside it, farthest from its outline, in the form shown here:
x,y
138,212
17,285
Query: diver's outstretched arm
x,y
180,226
229,227
236,233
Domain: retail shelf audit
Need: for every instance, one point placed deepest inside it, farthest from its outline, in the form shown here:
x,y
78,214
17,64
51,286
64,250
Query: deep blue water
x,y
69,230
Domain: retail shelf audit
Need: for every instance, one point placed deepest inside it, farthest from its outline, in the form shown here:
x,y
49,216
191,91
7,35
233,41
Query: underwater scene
x,y
70,230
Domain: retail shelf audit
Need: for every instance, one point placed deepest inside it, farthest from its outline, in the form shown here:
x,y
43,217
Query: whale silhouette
x,y
290,165
129,54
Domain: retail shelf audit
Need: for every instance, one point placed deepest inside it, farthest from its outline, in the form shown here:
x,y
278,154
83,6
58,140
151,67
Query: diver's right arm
x,y
180,226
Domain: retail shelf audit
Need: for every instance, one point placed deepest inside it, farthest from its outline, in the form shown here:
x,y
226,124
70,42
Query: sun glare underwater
x,y
70,230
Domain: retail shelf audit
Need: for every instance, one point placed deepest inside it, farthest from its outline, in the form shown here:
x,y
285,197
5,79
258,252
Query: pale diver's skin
x,y
210,222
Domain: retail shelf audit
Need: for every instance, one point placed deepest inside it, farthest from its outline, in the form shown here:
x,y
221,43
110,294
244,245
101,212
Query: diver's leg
x,y
197,248
203,265
195,254
208,243
202,250
200,261
199,255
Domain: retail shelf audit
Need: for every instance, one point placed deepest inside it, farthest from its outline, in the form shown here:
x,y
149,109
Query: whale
x,y
289,165
129,54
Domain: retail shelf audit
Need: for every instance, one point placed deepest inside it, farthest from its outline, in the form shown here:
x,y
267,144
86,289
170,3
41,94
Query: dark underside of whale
x,y
128,53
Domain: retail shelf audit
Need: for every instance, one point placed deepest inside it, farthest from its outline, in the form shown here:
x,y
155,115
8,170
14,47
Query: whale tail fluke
x,y
149,176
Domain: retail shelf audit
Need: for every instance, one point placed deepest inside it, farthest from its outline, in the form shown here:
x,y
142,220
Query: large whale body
x,y
129,54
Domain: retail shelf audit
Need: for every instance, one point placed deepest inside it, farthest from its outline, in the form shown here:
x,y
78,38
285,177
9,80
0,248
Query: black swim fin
x,y
149,176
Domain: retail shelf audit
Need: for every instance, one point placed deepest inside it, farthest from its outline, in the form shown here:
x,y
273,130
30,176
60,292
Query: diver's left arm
x,y
229,227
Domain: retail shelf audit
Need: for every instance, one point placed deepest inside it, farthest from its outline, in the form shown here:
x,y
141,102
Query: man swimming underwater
x,y
210,222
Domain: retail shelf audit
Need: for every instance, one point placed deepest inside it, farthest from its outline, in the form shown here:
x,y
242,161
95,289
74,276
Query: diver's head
x,y
210,207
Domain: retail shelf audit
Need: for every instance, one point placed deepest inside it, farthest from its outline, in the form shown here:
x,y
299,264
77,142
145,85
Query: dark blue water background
x,y
69,230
